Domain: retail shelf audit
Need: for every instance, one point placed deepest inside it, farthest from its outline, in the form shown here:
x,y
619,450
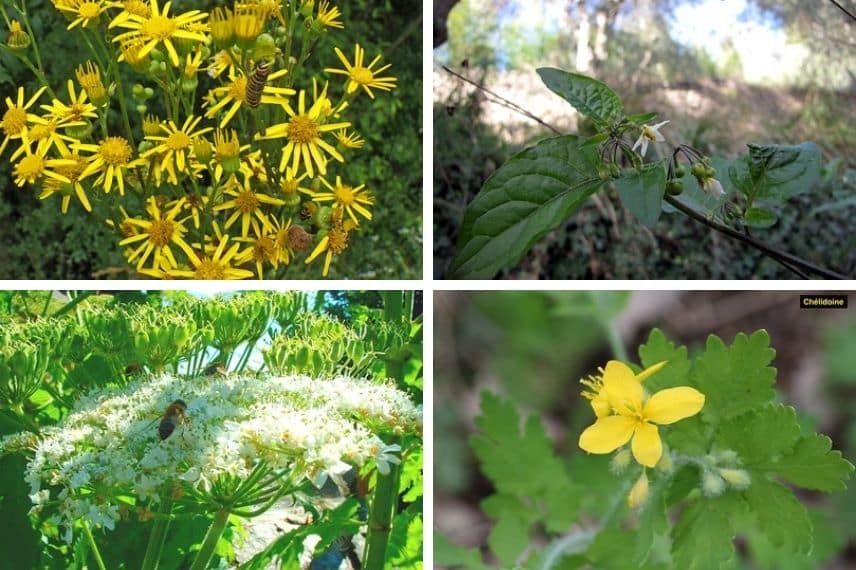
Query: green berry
x,y
699,170
681,171
674,187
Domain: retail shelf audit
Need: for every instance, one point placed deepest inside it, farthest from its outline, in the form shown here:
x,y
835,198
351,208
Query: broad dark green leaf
x,y
590,97
529,195
595,140
642,192
776,171
760,218
642,118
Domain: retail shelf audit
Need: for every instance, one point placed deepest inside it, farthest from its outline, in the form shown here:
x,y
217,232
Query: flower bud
x,y
639,492
202,150
17,40
666,464
726,456
712,485
736,478
620,461
265,47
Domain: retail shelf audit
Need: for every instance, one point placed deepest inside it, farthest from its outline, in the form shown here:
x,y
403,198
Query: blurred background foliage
x,y
533,347
38,242
724,73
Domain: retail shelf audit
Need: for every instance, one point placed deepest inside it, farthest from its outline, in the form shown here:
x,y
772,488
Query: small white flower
x,y
649,133
713,186
386,456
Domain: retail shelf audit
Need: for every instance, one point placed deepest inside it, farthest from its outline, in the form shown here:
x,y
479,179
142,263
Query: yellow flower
x,y
81,12
349,140
334,243
263,249
72,187
89,77
351,199
224,60
77,110
110,159
304,132
34,165
131,8
227,153
595,393
248,21
17,39
217,266
363,76
133,54
44,132
222,27
236,93
14,121
158,233
328,15
175,146
636,416
248,206
288,238
159,27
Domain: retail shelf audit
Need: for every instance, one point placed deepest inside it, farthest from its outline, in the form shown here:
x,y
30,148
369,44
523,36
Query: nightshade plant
x,y
241,165
723,463
273,433
537,189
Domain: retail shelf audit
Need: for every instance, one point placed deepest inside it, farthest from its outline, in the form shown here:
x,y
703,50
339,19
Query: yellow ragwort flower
x,y
77,110
364,76
262,250
349,140
110,159
304,132
14,121
334,243
636,416
34,165
248,205
71,188
216,266
89,77
349,198
81,12
236,93
158,233
174,146
329,15
160,27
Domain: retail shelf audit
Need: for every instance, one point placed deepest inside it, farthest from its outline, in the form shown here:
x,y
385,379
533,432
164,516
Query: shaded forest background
x,y
718,98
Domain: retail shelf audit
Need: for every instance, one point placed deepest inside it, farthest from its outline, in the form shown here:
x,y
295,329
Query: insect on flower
x,y
256,83
172,417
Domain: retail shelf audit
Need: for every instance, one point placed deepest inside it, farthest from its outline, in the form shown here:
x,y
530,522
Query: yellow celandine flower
x,y
349,140
77,110
635,416
89,77
14,121
110,159
304,132
349,198
595,393
236,93
159,27
34,165
364,76
329,15
158,233
248,206
216,266
81,12
334,243
649,134
71,188
174,148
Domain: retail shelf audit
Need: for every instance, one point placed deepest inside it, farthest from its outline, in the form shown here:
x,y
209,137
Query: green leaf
x,y
641,118
702,537
454,556
642,192
780,515
760,435
812,465
657,349
594,140
760,218
508,538
532,193
590,97
776,171
737,378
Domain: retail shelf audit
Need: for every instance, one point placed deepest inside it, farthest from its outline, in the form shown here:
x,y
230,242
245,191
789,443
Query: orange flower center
x,y
30,167
209,269
178,140
302,129
362,75
14,121
246,201
160,232
238,89
115,151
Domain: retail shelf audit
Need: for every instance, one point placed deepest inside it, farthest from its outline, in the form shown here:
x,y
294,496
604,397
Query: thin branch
x,y
843,9
776,254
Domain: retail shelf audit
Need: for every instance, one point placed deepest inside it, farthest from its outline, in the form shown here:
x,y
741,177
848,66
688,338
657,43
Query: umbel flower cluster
x,y
107,457
239,167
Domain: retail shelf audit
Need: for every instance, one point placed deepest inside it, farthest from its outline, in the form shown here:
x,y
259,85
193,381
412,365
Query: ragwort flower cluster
x,y
109,449
239,167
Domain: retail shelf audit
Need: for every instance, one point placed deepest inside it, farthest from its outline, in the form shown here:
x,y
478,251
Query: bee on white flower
x,y
650,133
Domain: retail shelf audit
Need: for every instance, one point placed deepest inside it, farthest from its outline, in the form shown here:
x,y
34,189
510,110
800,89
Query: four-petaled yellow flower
x,y
364,76
635,415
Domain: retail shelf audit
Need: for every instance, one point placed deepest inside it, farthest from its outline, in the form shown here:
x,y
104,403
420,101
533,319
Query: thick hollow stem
x,y
93,546
158,535
215,531
383,506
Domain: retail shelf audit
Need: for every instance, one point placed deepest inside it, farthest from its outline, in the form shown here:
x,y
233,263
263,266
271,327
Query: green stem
x,y
615,342
215,531
158,535
95,553
383,506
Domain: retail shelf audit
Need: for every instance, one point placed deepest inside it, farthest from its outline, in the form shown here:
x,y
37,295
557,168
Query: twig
x,y
770,251
843,9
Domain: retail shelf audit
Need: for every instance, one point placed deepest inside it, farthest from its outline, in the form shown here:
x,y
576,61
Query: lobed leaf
x,y
760,435
657,349
702,537
532,193
589,96
814,465
780,515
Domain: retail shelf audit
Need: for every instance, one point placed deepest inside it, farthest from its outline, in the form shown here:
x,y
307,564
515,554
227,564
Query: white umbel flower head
x,y
309,429
650,133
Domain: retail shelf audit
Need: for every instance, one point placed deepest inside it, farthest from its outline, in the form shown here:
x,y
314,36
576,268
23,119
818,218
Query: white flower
x,y
713,186
385,456
649,133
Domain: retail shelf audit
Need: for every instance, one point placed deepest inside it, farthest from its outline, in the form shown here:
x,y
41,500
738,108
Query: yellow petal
x,y
607,434
650,371
647,447
601,406
621,387
673,404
